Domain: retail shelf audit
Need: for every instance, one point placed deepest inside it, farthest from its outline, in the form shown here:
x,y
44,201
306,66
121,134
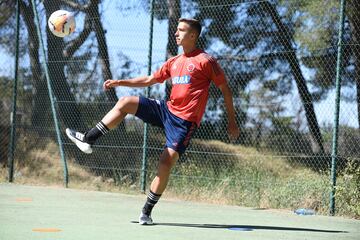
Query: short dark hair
x,y
193,23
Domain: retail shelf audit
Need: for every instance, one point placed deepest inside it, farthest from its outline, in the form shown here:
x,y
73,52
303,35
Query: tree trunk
x,y
287,39
103,53
354,17
174,14
68,113
103,49
40,96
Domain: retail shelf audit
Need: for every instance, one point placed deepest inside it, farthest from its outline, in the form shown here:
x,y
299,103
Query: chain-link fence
x,y
280,60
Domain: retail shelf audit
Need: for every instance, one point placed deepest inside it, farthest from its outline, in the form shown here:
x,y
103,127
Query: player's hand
x,y
233,131
108,84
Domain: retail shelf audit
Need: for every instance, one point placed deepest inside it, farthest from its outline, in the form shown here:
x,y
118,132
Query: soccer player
x,y
190,74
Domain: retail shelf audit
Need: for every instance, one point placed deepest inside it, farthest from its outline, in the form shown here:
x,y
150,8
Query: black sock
x,y
96,132
151,200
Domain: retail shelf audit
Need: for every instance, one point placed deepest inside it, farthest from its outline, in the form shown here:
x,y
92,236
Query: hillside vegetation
x,y
249,178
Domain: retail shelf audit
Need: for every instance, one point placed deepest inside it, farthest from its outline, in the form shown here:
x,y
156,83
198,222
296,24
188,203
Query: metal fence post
x,y
337,109
51,95
147,93
13,113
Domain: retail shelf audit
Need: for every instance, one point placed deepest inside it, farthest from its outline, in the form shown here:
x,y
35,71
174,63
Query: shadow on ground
x,y
243,227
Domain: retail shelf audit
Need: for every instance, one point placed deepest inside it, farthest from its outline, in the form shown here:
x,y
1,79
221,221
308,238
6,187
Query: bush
x,y
348,189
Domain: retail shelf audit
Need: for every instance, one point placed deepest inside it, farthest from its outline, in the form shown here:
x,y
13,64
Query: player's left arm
x,y
233,128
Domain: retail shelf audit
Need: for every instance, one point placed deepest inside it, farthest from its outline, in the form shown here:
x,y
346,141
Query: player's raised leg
x,y
125,105
167,160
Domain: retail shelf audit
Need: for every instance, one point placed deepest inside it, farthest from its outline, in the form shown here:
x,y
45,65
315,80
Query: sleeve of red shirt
x,y
163,73
217,74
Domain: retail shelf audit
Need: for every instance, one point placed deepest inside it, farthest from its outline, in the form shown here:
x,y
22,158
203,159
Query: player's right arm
x,y
158,77
143,81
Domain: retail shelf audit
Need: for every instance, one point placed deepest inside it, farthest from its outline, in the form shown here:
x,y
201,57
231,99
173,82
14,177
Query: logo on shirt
x,y
181,80
190,67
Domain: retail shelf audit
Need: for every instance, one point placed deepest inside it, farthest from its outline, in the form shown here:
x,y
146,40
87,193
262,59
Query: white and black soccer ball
x,y
61,23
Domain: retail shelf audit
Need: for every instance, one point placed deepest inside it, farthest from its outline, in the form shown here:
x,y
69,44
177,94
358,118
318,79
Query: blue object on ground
x,y
240,229
304,211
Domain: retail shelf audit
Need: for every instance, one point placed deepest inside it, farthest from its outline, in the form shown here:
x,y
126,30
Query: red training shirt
x,y
190,75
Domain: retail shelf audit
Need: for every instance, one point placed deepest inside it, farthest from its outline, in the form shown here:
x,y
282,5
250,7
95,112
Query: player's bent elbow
x,y
150,80
225,89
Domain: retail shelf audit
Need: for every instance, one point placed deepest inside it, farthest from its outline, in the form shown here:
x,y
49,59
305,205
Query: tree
x,y
320,40
353,12
59,54
56,62
174,13
40,94
256,36
39,98
287,39
103,49
164,10
7,8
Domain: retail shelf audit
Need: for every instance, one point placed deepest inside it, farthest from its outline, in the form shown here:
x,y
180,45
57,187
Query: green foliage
x,y
7,20
349,138
348,190
317,23
253,185
24,98
316,35
6,9
284,138
5,88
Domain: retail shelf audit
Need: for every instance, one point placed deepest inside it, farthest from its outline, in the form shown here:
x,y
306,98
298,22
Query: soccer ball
x,y
62,23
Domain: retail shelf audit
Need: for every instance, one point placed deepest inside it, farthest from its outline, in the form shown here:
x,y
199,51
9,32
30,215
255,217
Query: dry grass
x,y
251,157
43,167
255,179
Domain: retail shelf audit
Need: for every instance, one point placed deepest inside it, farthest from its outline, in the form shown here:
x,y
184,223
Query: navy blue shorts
x,y
178,131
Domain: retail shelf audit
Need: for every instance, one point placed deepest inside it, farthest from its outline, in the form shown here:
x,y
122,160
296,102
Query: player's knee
x,y
122,102
167,163
127,104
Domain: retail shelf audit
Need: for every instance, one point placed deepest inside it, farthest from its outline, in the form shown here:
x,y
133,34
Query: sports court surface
x,y
29,212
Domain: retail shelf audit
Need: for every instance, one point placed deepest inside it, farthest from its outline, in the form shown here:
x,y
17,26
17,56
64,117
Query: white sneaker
x,y
145,219
78,139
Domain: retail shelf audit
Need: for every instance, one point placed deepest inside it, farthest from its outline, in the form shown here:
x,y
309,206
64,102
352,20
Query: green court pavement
x,y
29,212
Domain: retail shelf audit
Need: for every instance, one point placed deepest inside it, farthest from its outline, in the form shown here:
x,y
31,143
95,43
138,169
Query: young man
x,y
191,74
